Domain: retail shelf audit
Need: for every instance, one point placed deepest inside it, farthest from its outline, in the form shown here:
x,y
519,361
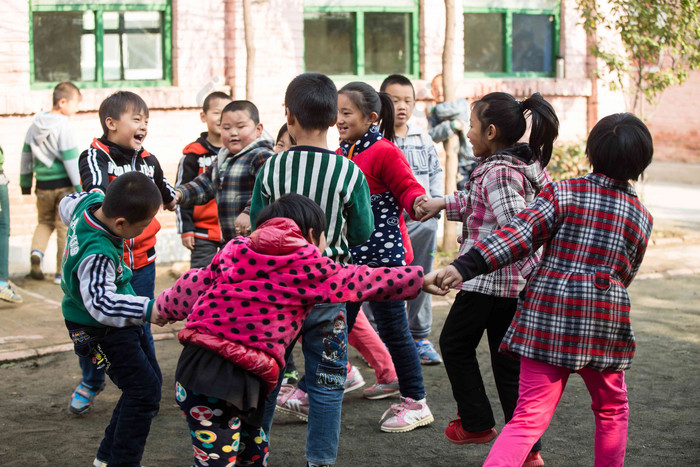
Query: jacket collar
x,y
116,151
260,143
607,182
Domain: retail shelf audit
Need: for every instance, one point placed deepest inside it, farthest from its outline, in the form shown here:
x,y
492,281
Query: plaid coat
x,y
575,309
230,180
499,188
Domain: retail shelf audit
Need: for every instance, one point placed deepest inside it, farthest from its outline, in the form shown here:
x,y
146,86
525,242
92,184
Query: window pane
x,y
110,19
387,43
328,43
143,56
142,19
133,46
483,42
532,43
63,49
111,58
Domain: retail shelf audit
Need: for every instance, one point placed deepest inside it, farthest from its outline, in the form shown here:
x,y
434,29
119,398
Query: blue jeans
x,y
131,365
143,282
392,326
325,348
4,228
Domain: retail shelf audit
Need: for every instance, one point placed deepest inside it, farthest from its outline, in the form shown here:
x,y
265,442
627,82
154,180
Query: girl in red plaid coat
x,y
574,313
505,181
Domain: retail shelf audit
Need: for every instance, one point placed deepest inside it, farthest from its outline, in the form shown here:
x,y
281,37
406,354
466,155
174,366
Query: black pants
x,y
471,314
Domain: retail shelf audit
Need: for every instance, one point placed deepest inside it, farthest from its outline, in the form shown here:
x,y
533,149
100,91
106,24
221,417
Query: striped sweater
x,y
329,179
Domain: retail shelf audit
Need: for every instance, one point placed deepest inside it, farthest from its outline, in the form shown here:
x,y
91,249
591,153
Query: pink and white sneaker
x,y
354,379
407,415
382,391
294,401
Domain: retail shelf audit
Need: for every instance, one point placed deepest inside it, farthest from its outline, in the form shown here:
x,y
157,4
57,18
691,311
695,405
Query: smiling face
x,y
352,124
238,130
404,102
129,130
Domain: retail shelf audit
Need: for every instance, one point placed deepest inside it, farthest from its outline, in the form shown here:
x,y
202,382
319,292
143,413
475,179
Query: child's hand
x,y
431,207
188,242
448,277
430,286
157,318
243,224
172,204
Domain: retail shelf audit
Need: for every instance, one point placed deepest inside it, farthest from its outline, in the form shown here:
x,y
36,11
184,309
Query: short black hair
x,y
313,100
397,79
132,196
117,104
235,106
211,97
65,90
302,210
620,147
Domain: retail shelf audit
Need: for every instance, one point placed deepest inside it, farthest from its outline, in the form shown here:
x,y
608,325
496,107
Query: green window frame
x,y
507,16
99,8
359,64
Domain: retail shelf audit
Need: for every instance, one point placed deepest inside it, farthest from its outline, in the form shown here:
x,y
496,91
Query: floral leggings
x,y
218,438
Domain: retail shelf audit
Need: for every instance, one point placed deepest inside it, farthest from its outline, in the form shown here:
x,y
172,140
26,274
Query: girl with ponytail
x,y
366,127
509,175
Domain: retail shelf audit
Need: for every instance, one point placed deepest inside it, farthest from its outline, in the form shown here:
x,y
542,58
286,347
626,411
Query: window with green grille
x,y
101,43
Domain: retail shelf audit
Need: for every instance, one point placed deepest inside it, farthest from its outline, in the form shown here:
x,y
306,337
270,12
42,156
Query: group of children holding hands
x,y
288,239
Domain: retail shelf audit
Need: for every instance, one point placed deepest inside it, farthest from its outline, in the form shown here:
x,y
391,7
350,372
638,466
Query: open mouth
x,y
139,138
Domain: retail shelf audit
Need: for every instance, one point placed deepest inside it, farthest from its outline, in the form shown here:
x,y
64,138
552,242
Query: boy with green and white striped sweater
x,y
337,185
50,153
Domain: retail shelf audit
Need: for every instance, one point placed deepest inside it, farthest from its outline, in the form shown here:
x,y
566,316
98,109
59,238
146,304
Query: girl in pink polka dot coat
x,y
246,307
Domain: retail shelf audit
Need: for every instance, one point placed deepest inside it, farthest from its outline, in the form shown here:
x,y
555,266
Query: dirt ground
x,y
36,428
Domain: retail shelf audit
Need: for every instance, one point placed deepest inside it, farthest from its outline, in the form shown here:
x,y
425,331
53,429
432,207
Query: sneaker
x,y
98,463
57,279
294,401
406,415
8,294
382,391
427,353
83,397
35,260
533,459
290,377
354,380
458,435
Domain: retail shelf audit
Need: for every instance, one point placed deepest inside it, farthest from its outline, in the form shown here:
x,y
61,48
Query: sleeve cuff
x,y
470,265
149,310
187,234
26,190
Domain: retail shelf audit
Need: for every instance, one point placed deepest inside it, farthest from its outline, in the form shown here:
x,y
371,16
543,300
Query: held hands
x,y
176,200
157,318
188,242
430,208
242,224
448,277
430,286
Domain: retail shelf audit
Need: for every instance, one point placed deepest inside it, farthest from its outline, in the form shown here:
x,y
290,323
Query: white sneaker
x,y
407,415
98,463
354,380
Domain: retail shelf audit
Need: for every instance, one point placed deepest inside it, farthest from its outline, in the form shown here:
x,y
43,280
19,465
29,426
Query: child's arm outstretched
x,y
196,192
176,303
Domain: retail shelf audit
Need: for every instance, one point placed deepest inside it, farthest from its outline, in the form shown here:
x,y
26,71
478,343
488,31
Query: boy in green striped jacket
x,y
337,185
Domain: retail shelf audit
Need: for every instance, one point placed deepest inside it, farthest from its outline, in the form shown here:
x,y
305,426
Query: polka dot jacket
x,y
251,301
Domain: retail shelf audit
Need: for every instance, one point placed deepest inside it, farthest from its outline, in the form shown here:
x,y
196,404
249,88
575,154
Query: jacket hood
x,y
260,143
43,136
514,157
277,236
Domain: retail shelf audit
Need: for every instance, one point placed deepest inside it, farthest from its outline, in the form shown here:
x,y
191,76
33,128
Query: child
x,y
338,186
124,119
574,314
103,315
7,292
51,153
199,226
284,140
508,177
393,188
423,158
239,321
231,178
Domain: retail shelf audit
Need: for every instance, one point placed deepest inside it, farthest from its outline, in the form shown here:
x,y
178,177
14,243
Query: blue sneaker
x,y
83,397
427,353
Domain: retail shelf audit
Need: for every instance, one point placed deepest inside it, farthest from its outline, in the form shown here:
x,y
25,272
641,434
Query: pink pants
x,y
366,340
541,387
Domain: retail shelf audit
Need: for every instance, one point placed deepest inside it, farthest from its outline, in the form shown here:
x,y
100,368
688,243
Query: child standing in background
x,y
198,226
240,320
7,292
363,117
507,179
574,314
50,152
423,158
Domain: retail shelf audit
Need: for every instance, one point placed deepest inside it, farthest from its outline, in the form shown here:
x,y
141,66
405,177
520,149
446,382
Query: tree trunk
x,y
249,50
449,238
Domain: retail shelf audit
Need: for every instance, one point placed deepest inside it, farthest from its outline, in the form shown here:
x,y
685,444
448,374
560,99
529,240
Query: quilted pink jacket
x,y
251,301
